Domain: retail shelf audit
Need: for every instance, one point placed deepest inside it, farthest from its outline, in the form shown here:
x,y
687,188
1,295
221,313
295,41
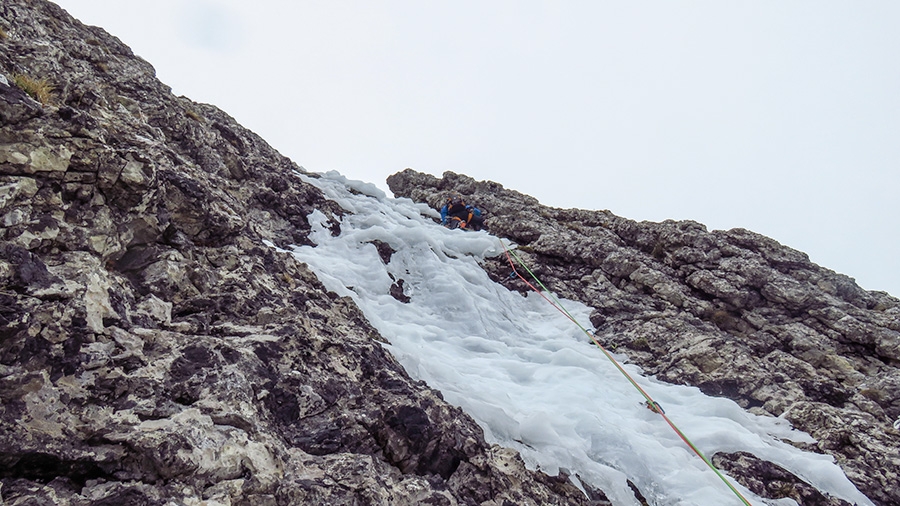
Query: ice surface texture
x,y
528,375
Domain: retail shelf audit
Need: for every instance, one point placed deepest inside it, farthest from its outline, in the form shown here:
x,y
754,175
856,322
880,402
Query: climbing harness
x,y
649,402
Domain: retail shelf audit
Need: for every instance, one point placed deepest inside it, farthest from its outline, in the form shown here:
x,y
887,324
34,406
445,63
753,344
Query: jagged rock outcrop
x,y
732,312
154,347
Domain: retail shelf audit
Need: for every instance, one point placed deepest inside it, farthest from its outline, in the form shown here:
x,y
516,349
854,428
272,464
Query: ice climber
x,y
456,214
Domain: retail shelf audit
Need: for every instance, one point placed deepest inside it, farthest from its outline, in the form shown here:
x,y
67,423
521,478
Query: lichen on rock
x,y
153,349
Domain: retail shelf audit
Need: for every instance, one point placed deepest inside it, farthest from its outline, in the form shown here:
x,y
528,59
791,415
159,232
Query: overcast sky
x,y
782,117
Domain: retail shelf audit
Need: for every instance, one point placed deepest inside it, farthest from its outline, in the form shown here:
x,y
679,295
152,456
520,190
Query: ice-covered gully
x,y
525,373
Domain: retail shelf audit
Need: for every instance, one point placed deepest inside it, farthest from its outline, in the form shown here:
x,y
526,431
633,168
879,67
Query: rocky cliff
x,y
153,348
731,312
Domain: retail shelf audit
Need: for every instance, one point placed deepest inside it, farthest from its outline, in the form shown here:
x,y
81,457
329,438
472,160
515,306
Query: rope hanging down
x,y
651,404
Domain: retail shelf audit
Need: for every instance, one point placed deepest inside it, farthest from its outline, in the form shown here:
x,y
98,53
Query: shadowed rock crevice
x,y
44,468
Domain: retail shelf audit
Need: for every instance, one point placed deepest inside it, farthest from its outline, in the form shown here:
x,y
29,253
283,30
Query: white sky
x,y
779,117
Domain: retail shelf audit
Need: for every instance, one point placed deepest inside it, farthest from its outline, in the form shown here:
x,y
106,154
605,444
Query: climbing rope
x,y
650,403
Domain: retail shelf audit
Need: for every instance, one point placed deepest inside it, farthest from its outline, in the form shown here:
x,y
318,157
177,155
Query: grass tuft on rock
x,y
38,89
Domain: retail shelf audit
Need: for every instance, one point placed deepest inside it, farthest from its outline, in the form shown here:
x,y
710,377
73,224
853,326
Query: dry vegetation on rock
x,y
38,89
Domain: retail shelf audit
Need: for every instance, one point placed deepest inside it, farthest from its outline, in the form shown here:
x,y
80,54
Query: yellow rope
x,y
653,405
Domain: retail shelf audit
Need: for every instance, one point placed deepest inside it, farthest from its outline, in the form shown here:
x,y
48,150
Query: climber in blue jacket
x,y
456,214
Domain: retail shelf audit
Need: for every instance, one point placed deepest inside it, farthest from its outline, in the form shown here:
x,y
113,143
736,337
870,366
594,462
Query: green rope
x,y
555,301
651,404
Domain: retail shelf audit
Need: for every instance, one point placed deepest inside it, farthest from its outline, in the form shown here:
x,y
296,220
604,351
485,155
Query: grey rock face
x,y
732,312
153,348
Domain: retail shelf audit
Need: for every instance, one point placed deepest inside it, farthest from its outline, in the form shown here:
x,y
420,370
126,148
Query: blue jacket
x,y
445,212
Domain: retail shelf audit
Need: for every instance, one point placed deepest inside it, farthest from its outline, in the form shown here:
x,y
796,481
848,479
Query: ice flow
x,y
527,374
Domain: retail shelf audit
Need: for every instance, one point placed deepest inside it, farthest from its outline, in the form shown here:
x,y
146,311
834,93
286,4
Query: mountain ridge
x,y
153,349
